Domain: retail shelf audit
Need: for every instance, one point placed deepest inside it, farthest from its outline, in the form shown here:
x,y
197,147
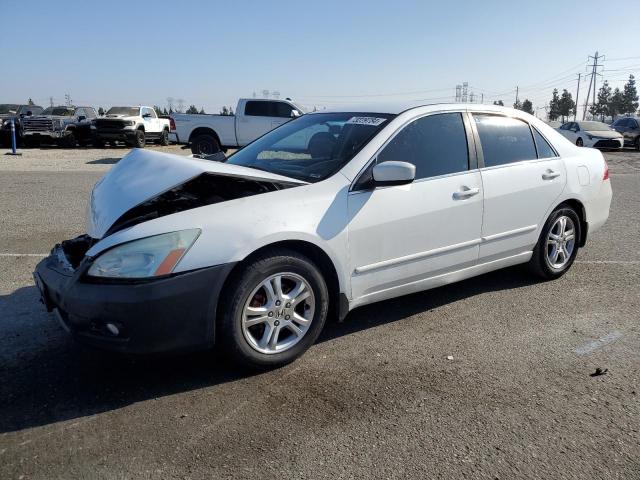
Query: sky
x,y
319,53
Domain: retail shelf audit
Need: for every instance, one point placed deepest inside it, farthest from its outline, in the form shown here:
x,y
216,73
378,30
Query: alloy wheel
x,y
561,242
278,313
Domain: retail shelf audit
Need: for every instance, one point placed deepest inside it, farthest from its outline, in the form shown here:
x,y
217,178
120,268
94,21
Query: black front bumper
x,y
115,134
166,314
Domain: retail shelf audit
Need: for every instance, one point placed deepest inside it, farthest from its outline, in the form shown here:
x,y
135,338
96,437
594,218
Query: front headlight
x,y
147,257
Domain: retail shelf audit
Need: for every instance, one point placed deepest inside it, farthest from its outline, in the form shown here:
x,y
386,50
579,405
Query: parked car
x,y
66,126
329,212
254,117
132,125
592,134
15,112
629,128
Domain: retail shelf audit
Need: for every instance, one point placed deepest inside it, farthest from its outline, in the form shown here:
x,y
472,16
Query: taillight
x,y
606,171
172,124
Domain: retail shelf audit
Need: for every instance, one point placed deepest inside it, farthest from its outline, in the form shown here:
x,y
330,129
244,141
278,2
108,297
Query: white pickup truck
x,y
208,134
132,125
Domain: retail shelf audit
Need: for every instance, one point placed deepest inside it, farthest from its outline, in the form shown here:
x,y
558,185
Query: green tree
x,y
192,109
630,94
601,107
527,106
499,102
30,102
617,103
554,106
202,112
100,111
566,105
231,111
157,109
517,105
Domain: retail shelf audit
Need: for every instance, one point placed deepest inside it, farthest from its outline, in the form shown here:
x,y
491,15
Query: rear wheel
x,y
557,246
205,144
164,138
277,307
579,142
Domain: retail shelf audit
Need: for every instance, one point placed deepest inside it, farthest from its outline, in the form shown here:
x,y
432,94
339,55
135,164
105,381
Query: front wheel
x,y
557,246
277,307
139,140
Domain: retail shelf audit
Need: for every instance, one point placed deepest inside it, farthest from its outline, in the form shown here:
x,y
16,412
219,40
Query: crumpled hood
x,y
142,175
604,134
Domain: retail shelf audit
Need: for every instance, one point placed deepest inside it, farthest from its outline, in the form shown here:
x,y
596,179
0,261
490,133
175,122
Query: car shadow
x,y
104,161
45,377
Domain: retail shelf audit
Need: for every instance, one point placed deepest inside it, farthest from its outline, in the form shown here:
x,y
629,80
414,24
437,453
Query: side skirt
x,y
439,280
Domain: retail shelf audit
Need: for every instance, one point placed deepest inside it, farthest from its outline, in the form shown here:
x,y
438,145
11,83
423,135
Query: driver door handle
x,y
465,192
550,175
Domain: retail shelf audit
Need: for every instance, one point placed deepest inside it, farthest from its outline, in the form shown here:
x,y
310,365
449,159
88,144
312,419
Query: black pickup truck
x,y
15,112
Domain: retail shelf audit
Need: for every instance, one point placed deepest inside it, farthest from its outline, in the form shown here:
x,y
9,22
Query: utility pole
x,y
51,101
575,111
594,72
482,98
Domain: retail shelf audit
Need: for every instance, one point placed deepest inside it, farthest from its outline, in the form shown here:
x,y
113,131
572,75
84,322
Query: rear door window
x,y
257,108
504,140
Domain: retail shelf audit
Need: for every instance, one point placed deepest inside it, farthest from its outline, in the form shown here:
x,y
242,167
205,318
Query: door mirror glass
x,y
393,173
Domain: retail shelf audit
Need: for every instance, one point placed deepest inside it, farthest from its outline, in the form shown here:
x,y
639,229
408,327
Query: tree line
x,y
525,105
608,104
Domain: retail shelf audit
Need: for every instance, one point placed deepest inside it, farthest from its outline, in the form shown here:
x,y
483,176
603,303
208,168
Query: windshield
x,y
58,111
8,108
594,126
312,147
127,111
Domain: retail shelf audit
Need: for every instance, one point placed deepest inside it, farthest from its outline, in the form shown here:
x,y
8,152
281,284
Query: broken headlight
x,y
147,257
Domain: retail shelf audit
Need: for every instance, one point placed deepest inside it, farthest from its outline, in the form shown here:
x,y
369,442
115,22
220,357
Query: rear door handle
x,y
465,192
550,175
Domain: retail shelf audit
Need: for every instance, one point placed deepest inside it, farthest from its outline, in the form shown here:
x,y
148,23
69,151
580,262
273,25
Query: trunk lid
x,y
142,175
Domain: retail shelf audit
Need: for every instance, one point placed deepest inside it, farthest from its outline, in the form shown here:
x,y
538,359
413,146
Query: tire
x,y
542,263
164,138
97,143
205,144
69,140
579,142
139,141
637,144
247,344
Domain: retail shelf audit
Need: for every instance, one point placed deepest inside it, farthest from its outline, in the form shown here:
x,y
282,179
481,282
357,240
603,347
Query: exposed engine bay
x,y
205,189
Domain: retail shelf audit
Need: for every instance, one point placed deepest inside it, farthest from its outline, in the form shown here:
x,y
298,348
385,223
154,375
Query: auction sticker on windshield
x,y
373,121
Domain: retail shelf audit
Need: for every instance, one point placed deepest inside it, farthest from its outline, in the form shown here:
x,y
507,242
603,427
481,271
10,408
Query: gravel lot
x,y
377,397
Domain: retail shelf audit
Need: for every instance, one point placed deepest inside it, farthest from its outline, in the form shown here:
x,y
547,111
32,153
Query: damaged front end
x,y
145,313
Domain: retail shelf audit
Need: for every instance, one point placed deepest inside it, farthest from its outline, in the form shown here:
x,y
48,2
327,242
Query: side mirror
x,y
393,173
295,113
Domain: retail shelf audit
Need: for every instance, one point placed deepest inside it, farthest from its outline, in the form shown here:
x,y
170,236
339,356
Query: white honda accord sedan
x,y
328,212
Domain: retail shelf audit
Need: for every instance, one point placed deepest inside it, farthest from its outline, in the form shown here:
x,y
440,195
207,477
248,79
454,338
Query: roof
x,y
399,107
